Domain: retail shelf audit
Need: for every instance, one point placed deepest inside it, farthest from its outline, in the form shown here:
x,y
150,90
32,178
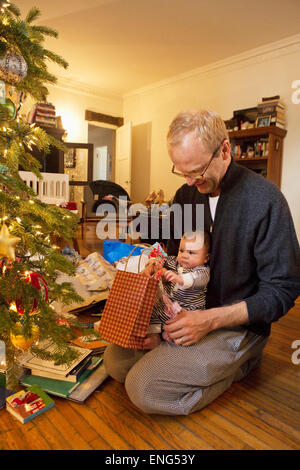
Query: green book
x,y
60,388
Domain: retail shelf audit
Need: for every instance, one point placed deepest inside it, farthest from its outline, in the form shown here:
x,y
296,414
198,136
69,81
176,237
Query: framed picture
x,y
263,121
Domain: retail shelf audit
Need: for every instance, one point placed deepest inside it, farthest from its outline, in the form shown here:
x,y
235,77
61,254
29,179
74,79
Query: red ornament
x,y
37,280
62,322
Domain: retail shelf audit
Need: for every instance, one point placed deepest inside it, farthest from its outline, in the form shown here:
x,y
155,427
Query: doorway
x,y
104,141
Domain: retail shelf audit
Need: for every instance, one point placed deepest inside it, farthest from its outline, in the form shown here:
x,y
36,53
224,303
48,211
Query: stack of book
x,y
43,114
95,345
27,404
74,381
272,108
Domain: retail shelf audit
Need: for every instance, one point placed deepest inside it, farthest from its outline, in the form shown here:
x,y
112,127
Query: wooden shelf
x,y
251,159
268,165
258,132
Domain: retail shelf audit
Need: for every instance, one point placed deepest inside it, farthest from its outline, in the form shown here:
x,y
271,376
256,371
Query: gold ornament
x,y
19,340
7,243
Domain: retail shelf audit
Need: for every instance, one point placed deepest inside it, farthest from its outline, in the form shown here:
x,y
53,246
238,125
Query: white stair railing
x,y
53,188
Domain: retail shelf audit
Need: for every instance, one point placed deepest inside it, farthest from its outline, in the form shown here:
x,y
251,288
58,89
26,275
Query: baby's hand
x,y
172,277
152,341
152,267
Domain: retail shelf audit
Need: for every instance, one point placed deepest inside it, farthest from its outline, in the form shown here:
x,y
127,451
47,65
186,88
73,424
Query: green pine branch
x,y
36,224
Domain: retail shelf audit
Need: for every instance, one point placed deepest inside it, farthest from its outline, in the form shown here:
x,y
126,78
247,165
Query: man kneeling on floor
x,y
254,277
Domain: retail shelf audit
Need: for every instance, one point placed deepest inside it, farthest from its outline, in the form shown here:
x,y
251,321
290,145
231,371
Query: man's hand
x,y
189,326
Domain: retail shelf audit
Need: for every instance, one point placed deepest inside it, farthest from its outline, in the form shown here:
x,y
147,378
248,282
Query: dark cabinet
x,y
52,162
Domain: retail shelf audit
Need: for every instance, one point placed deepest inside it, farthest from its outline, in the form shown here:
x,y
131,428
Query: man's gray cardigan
x,y
255,253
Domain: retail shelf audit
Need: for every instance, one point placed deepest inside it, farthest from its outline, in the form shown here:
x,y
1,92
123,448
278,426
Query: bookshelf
x,y
259,149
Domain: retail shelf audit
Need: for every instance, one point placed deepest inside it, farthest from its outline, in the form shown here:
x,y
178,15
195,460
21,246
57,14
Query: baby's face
x,y
192,253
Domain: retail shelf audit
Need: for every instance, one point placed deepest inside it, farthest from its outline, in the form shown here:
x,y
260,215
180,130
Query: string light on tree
x,y
29,275
3,5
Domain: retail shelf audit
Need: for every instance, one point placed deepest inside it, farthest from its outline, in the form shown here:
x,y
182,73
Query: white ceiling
x,y
118,46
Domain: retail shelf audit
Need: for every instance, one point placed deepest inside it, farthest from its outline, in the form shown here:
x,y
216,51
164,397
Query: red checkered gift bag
x,y
125,318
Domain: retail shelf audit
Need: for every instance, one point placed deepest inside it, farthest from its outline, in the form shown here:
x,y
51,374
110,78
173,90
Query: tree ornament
x,y
10,107
7,243
16,96
3,169
13,67
37,280
19,340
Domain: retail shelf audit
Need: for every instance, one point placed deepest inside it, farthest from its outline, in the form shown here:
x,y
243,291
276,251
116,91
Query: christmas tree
x,y
29,261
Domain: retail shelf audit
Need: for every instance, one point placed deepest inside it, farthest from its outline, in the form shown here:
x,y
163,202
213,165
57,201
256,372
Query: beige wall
x,y
71,106
236,83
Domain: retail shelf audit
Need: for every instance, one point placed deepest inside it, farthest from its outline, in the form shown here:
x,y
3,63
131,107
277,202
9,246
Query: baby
x,y
185,278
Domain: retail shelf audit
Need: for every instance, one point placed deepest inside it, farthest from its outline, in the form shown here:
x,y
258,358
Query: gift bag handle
x,y
139,265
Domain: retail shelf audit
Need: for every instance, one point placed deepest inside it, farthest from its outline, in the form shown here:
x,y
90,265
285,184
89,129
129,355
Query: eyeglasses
x,y
196,175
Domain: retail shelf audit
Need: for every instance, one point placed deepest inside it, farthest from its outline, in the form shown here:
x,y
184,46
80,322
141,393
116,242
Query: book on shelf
x,y
277,119
268,109
62,388
29,361
278,124
260,148
272,100
27,404
276,114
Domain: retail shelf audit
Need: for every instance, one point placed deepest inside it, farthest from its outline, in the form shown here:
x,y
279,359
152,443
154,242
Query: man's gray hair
x,y
207,125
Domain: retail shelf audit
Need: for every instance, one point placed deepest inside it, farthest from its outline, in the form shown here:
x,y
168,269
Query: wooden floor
x,y
262,412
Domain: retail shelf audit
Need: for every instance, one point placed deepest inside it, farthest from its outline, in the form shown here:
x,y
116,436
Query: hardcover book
x,y
73,376
27,404
30,361
97,346
81,393
61,388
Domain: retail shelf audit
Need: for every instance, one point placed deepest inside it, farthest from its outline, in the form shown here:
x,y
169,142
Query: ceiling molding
x,y
74,86
252,56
